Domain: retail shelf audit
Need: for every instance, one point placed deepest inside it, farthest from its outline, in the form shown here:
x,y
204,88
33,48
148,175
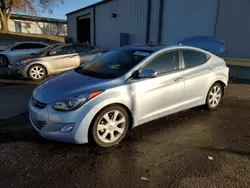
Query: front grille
x,y
38,104
38,124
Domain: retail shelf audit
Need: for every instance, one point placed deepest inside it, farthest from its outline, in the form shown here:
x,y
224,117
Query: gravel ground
x,y
194,148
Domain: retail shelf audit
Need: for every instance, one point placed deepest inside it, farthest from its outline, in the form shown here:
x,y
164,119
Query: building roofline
x,y
36,18
90,6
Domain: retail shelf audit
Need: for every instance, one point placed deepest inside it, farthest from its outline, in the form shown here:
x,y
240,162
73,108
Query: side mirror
x,y
147,73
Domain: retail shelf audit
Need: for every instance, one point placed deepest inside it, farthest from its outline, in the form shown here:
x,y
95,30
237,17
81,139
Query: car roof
x,y
156,47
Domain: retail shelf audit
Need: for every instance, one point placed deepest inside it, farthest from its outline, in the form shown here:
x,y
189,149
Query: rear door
x,y
19,50
33,47
24,49
85,53
198,75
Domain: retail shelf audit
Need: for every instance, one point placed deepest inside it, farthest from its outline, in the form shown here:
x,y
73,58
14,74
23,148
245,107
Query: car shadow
x,y
226,150
10,130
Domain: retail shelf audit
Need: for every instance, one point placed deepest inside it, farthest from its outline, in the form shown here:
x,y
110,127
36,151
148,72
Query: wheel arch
x,y
222,83
131,118
4,55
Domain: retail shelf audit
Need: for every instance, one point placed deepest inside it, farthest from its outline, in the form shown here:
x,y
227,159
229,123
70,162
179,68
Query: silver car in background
x,y
126,87
53,60
18,49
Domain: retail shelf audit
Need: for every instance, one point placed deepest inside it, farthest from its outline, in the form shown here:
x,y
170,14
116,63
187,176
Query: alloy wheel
x,y
37,72
214,96
111,126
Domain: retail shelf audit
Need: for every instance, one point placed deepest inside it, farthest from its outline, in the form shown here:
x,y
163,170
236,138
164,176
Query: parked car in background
x,y
126,87
18,49
54,59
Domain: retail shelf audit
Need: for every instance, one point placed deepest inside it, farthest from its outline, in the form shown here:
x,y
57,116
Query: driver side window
x,y
165,62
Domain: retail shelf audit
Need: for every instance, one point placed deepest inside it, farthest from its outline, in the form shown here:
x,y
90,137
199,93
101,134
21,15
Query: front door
x,y
62,58
163,95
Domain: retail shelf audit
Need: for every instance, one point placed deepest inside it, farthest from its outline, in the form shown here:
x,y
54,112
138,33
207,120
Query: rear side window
x,y
166,62
38,46
63,50
28,46
83,48
193,58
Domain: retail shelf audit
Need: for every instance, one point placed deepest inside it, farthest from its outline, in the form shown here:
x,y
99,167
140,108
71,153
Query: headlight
x,y
23,62
20,63
74,103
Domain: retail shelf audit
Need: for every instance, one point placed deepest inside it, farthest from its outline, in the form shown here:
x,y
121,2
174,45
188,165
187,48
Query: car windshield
x,y
114,63
46,49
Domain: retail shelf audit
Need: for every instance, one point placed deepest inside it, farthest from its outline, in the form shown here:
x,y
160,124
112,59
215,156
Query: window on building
x,y
193,58
165,62
18,26
83,48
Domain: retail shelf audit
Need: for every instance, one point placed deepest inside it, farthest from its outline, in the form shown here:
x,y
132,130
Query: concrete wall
x,y
72,24
131,18
184,18
233,27
35,27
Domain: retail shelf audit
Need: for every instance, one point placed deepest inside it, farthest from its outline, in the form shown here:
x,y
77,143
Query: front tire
x,y
3,61
110,126
214,96
37,72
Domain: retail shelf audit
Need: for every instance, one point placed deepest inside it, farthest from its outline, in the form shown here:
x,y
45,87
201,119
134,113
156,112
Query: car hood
x,y
69,84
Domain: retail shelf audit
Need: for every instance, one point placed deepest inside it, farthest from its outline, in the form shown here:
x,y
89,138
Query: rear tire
x,y
37,72
4,61
214,96
110,126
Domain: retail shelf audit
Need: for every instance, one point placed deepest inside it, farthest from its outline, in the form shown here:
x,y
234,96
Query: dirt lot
x,y
195,148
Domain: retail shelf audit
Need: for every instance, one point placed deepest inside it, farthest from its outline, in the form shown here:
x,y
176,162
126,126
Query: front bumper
x,y
15,70
48,123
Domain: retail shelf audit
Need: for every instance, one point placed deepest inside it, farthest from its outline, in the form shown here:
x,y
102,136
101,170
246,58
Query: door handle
x,y
71,56
178,79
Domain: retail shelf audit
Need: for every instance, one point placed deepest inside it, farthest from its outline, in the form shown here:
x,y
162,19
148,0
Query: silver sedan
x,y
53,60
18,49
127,87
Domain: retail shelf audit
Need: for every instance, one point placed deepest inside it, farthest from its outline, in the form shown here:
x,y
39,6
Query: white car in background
x,y
18,49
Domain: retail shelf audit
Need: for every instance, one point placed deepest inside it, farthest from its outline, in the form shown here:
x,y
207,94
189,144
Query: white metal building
x,y
113,23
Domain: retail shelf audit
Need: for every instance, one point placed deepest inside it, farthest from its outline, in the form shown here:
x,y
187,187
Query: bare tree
x,y
27,6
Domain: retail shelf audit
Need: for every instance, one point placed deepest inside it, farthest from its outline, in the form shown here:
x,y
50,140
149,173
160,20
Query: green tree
x,y
27,6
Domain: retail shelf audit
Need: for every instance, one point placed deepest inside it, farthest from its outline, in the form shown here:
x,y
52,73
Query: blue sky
x,y
68,6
